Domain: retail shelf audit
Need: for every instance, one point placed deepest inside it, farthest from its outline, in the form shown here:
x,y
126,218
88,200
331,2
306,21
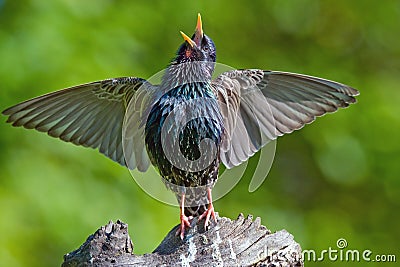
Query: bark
x,y
242,242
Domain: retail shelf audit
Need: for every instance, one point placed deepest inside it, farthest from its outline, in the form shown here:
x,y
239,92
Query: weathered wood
x,y
242,242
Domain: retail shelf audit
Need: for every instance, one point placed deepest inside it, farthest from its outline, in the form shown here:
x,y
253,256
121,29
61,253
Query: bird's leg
x,y
210,210
185,220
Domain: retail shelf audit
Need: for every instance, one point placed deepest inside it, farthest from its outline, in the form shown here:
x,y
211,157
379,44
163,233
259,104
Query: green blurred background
x,y
337,178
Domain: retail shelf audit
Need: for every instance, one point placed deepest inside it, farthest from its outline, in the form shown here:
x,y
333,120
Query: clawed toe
x,y
185,223
207,214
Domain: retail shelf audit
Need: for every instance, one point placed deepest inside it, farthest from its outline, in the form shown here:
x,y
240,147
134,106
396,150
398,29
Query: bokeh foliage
x,y
337,178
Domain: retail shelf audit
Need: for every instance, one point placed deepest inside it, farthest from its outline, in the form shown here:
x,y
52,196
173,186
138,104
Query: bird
x,y
189,124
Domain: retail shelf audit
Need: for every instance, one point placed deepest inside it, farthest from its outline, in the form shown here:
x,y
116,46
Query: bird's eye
x,y
205,48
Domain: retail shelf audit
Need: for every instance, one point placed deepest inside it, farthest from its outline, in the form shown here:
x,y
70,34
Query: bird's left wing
x,y
258,106
89,115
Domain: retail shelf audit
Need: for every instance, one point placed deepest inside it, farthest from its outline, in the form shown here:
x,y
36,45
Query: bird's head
x,y
198,48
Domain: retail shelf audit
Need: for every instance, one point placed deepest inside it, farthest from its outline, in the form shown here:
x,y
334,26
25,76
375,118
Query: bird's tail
x,y
196,201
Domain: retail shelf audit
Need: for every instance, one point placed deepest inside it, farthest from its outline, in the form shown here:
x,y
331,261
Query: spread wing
x,y
89,115
258,106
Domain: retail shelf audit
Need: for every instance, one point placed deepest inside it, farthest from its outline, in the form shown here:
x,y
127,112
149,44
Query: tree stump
x,y
242,242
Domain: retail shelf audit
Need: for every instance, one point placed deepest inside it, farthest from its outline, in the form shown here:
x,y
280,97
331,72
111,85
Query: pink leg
x,y
210,210
185,221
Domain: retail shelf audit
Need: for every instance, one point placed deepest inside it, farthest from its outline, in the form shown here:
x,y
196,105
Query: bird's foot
x,y
207,214
185,222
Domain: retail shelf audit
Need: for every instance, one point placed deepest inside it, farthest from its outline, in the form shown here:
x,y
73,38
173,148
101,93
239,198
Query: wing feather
x,y
89,115
258,106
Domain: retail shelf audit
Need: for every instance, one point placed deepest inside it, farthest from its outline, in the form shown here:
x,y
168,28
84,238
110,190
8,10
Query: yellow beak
x,y
187,39
199,26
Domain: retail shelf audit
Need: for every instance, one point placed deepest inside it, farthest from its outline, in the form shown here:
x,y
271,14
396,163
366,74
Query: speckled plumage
x,y
189,138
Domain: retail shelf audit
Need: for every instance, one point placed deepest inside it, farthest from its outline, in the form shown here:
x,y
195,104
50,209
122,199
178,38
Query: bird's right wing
x,y
91,115
258,106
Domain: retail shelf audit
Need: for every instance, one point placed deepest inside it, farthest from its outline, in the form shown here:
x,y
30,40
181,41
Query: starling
x,y
237,112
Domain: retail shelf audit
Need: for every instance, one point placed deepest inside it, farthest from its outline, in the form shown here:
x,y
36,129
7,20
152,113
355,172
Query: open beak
x,y
198,34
